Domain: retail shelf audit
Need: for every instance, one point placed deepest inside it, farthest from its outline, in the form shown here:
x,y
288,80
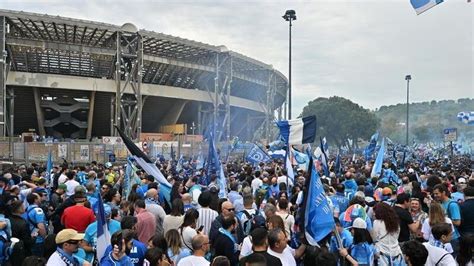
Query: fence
x,y
84,152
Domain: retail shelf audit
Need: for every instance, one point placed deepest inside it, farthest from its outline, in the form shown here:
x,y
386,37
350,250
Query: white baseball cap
x,y
359,223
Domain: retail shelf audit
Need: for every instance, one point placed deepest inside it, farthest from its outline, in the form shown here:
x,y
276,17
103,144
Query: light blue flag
x,y
302,159
421,6
369,150
103,234
214,165
377,168
49,167
256,155
466,117
318,218
179,166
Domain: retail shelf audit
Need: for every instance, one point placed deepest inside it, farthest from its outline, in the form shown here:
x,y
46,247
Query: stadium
x,y
72,78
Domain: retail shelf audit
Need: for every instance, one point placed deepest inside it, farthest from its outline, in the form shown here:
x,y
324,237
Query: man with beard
x,y
225,243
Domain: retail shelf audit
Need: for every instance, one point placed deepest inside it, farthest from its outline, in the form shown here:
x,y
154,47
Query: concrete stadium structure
x,y
72,78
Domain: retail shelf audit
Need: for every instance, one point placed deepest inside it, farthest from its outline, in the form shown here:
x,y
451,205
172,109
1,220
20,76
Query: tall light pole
x,y
289,16
408,78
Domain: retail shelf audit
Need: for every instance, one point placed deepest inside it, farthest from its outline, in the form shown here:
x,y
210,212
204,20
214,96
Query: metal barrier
x,y
85,152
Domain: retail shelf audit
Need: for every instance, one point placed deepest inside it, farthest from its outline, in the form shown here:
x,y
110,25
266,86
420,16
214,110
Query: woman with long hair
x,y
188,229
175,247
436,216
175,219
177,190
385,233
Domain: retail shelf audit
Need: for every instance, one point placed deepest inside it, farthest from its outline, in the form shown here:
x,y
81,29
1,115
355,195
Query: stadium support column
x,y
128,78
222,88
269,105
3,77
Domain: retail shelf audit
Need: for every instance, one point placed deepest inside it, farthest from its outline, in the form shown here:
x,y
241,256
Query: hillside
x,y
427,120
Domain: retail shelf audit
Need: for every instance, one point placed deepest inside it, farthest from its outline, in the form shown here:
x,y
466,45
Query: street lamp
x,y
408,78
289,16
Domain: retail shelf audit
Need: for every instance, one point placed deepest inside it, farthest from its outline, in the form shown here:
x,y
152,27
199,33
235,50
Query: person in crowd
x,y
437,255
385,235
277,243
156,257
466,252
452,211
415,253
78,217
71,183
227,210
407,225
260,246
284,213
436,216
200,247
206,214
418,215
225,243
21,230
188,229
119,241
467,212
176,250
362,250
37,222
67,241
146,225
90,237
153,206
174,220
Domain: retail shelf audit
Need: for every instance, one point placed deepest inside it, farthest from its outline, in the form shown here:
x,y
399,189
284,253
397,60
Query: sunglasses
x,y
231,209
104,188
73,242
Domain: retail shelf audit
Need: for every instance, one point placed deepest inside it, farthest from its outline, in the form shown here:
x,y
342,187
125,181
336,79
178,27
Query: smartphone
x,y
200,228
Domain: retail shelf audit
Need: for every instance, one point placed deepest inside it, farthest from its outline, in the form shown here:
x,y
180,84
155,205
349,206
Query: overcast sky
x,y
360,50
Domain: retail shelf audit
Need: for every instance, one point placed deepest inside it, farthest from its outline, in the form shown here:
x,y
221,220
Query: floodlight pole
x,y
408,78
289,16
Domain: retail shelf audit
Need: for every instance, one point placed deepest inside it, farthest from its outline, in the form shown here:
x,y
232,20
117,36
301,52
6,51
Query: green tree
x,y
340,119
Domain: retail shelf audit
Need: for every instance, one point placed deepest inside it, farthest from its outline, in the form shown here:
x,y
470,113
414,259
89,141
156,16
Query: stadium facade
x,y
72,78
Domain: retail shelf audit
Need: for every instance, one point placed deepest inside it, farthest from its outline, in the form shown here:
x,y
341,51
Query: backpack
x,y
247,225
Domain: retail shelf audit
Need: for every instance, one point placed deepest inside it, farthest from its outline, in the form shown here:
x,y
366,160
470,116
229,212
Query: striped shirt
x,y
206,217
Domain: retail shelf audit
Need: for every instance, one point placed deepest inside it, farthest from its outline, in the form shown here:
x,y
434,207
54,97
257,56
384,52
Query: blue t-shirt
x,y
35,215
350,187
90,235
363,253
341,201
346,238
137,253
142,190
454,213
107,260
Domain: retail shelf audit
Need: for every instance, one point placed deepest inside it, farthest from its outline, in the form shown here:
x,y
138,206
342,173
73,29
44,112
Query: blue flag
x,y
103,234
318,217
214,166
421,6
324,161
49,167
257,155
377,168
369,150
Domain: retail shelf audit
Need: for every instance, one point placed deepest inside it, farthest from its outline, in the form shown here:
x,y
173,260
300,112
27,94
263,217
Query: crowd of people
x,y
425,217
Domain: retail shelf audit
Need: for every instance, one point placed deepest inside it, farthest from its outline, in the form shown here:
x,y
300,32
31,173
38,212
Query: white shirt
x,y
427,235
193,261
384,242
55,260
246,248
172,222
206,217
71,185
435,254
287,258
256,183
283,178
62,178
187,236
289,221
